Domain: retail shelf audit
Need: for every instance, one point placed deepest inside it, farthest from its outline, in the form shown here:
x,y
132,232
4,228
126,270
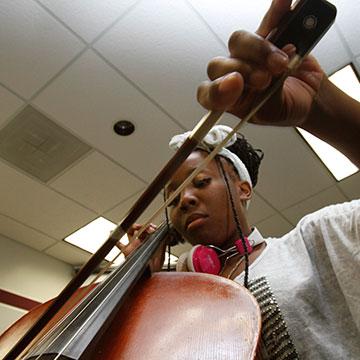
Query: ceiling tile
x,y
225,18
13,229
259,209
88,18
165,52
38,206
120,211
290,171
68,253
351,186
331,52
316,202
9,103
37,46
274,226
97,102
95,182
347,20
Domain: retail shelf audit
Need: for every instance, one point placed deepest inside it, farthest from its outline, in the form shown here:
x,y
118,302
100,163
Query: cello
x,y
109,324
86,331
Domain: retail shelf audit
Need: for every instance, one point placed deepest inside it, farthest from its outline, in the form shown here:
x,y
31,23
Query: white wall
x,y
29,273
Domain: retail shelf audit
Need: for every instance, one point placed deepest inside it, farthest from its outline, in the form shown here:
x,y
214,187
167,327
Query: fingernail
x,y
227,82
277,61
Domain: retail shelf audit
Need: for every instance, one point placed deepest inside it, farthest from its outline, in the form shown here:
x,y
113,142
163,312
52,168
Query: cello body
x,y
172,316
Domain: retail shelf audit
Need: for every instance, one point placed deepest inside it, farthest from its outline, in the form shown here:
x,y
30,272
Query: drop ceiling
x,y
85,64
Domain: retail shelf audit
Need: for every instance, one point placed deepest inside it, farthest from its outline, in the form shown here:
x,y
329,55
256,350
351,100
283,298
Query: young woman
x,y
308,279
305,282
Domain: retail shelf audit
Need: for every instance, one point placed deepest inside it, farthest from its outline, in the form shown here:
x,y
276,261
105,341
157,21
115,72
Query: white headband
x,y
214,137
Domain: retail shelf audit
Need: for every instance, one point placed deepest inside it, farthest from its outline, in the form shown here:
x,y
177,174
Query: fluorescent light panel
x,y
93,235
338,164
346,80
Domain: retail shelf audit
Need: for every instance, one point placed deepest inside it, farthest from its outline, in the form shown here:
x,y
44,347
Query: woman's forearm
x,y
335,118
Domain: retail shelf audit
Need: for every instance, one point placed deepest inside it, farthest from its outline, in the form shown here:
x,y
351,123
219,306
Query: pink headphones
x,y
207,259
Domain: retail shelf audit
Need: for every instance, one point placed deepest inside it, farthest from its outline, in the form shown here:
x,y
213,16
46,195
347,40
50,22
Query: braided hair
x,y
251,158
248,155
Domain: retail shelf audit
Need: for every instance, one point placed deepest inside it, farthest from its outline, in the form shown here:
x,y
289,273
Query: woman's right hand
x,y
307,98
237,81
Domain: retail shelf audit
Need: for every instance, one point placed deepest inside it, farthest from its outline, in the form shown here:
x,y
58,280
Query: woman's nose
x,y
188,199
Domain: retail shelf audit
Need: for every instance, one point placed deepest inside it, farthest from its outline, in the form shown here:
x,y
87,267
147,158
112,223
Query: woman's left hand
x,y
134,240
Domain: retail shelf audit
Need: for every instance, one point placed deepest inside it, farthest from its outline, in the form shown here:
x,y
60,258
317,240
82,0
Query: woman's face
x,y
202,212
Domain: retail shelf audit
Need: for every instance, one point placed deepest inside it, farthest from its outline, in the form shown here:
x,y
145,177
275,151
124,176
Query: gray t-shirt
x,y
314,273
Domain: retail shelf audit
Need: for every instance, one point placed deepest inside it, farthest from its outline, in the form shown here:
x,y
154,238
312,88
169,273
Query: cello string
x,y
40,341
55,326
49,334
75,318
105,268
292,65
94,312
58,324
109,283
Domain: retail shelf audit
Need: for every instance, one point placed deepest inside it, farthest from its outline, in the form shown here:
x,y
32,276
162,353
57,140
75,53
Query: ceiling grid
x,y
87,64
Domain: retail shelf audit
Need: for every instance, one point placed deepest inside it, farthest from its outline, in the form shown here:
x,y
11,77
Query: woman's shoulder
x,y
337,213
337,218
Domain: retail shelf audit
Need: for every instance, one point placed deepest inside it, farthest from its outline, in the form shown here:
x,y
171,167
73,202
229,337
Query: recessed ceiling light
x,y
338,164
124,127
93,235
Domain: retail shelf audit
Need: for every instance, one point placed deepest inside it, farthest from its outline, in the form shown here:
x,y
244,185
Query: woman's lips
x,y
194,221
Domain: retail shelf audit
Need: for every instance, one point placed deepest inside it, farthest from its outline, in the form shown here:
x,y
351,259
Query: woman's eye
x,y
175,201
199,183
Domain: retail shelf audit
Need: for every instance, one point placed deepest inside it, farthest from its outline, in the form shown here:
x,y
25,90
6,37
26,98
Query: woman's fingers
x,y
247,46
134,230
254,77
128,249
253,62
149,230
221,66
257,52
271,19
121,246
135,239
221,93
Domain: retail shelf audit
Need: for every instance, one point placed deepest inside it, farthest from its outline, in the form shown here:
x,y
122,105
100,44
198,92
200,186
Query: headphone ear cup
x,y
181,264
203,259
190,258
